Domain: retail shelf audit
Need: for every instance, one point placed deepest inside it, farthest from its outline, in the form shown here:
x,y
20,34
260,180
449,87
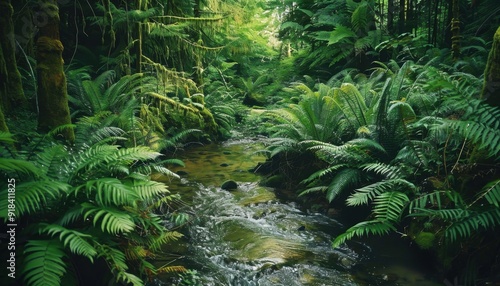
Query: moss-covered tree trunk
x,y
3,124
11,88
491,87
52,87
455,30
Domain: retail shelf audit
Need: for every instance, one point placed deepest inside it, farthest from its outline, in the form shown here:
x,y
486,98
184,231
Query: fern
x,y
107,191
116,261
43,263
344,179
389,206
488,138
373,227
492,193
17,165
149,190
112,220
363,195
34,196
435,199
164,238
76,241
388,171
318,174
472,222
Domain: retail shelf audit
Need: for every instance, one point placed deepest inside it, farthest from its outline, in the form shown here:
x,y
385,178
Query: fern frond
x,y
51,160
149,190
34,196
472,223
389,206
129,278
107,191
318,174
313,190
6,137
18,165
112,220
435,199
492,193
130,155
363,195
171,269
388,171
164,238
44,263
488,138
376,227
117,262
76,241
342,180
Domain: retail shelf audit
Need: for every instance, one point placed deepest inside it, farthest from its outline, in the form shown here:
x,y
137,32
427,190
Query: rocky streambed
x,y
248,236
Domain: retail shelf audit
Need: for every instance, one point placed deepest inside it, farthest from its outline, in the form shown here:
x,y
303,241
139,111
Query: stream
x,y
252,237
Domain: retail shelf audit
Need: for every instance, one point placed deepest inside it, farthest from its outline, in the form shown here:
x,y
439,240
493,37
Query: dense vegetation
x,y
386,109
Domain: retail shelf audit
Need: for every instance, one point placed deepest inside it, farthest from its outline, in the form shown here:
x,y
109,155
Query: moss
x,y
425,240
3,125
182,117
491,86
11,88
52,89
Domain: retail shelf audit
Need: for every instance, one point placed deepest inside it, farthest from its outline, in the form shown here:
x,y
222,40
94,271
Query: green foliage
x,y
44,262
94,200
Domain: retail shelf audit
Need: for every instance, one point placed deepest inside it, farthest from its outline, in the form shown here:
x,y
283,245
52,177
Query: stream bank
x,y
250,236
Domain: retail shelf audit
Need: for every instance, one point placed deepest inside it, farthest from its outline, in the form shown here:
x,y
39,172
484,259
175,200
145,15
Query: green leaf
x,y
112,220
76,241
389,206
43,263
377,227
340,33
108,191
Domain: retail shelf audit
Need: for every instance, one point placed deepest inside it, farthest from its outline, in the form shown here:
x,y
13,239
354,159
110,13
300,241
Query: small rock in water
x,y
229,185
301,228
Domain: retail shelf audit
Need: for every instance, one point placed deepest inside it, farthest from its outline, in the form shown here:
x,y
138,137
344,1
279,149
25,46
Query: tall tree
x,y
52,87
491,88
11,89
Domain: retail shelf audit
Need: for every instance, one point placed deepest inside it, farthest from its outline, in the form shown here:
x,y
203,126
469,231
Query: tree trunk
x,y
455,30
402,17
52,87
491,87
390,16
3,124
11,88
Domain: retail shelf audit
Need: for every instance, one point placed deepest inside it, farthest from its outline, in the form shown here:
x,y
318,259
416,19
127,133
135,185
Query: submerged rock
x,y
229,185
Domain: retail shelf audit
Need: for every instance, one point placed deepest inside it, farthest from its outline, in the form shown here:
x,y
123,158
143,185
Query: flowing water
x,y
251,237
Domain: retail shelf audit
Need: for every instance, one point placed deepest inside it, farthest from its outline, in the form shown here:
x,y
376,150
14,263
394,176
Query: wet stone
x,y
229,185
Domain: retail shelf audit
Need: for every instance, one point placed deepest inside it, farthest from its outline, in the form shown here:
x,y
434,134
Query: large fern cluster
x,y
413,144
94,200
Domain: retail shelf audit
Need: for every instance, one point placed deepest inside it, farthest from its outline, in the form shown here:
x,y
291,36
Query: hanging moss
x,y
491,87
184,117
11,89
